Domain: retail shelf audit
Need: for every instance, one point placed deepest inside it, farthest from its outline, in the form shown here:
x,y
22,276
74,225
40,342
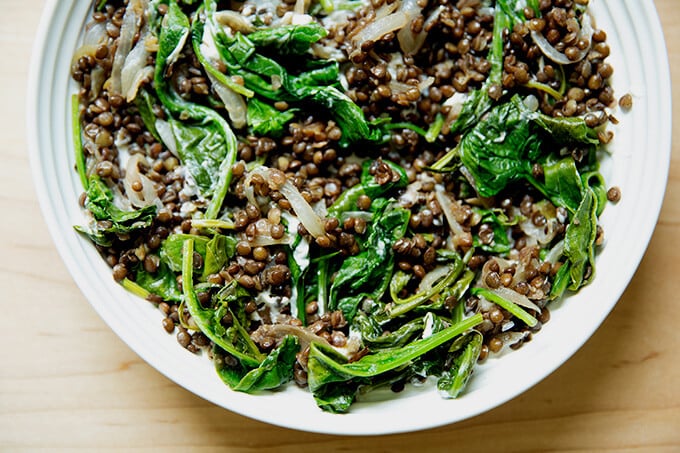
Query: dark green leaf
x,y
235,340
163,282
336,398
368,273
399,306
373,337
510,306
579,241
563,183
324,369
172,249
288,39
479,102
112,220
218,250
204,140
500,149
467,349
266,120
275,370
78,142
499,222
347,201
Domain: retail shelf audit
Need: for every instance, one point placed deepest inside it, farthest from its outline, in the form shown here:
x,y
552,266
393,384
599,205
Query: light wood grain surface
x,y
67,382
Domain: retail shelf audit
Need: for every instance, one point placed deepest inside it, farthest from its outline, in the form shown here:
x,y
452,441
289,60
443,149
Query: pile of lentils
x,y
453,60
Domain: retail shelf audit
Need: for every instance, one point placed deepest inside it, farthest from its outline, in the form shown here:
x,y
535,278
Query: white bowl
x,y
639,163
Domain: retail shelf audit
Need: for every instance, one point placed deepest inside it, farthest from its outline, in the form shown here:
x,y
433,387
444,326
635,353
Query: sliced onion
x,y
135,70
300,7
86,50
449,208
432,278
377,29
508,338
531,102
409,42
234,20
97,79
303,210
386,9
148,195
515,297
541,234
164,129
555,253
233,102
266,240
558,57
95,34
276,82
131,23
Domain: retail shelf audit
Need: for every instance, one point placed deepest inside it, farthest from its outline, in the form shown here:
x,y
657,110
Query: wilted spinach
x,y
368,273
111,220
325,367
203,139
266,120
464,354
579,242
163,282
235,339
275,370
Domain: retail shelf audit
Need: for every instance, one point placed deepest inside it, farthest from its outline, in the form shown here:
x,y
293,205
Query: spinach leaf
x,y
503,147
203,139
565,131
347,201
455,292
512,307
513,10
561,281
197,35
500,149
399,306
454,380
325,369
172,249
217,251
266,120
299,265
336,398
275,370
373,337
163,283
499,223
234,340
288,39
144,102
579,241
240,55
368,273
562,183
111,220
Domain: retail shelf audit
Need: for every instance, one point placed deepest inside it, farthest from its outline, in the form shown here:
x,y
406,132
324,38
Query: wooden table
x,y
66,381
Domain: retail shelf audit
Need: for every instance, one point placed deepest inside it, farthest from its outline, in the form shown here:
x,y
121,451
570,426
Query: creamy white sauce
x,y
273,303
